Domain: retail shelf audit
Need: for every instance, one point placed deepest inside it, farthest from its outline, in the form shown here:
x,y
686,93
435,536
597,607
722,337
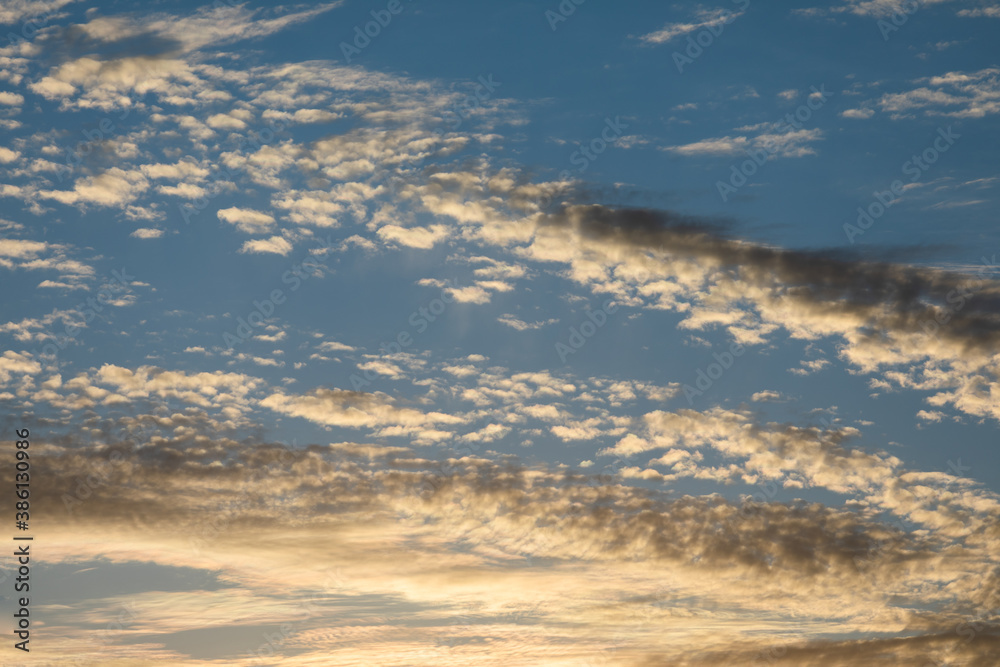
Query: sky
x,y
501,333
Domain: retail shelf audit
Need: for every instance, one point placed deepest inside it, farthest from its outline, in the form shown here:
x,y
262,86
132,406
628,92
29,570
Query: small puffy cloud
x,y
146,233
353,409
14,362
247,220
11,99
114,187
521,325
414,237
221,121
333,346
981,12
473,294
20,249
857,113
275,245
704,19
931,415
185,190
766,395
7,155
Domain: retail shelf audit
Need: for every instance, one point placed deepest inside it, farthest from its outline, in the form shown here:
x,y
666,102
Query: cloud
x,y
14,11
247,220
930,415
992,12
19,363
115,187
882,9
146,233
521,325
214,25
336,407
954,94
471,294
379,524
414,237
21,249
274,245
857,113
789,143
333,346
704,19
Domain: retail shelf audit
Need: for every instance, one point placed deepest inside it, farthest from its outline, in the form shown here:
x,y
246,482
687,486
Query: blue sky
x,y
685,311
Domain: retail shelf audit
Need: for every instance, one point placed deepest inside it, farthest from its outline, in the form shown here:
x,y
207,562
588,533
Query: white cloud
x,y
11,99
414,237
275,245
247,220
704,19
